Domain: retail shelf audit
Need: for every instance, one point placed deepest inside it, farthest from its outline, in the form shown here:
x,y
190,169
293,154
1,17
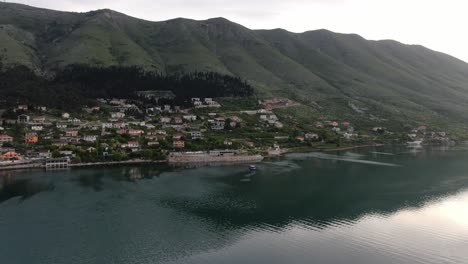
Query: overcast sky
x,y
437,24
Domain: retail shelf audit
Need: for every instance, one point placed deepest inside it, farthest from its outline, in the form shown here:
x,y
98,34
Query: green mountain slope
x,y
334,75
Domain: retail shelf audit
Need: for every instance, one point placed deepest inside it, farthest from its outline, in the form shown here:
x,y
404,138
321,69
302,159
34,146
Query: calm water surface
x,y
367,206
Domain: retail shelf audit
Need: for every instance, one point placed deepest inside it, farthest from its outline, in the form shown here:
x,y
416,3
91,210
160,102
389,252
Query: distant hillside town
x,y
152,125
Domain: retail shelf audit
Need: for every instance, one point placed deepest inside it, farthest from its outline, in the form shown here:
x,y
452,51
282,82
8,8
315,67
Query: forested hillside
x,y
77,85
331,74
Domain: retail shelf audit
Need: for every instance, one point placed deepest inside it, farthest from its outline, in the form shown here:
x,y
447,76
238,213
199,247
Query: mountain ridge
x,y
327,72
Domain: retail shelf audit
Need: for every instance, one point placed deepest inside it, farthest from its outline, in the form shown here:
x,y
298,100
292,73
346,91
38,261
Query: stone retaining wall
x,y
206,158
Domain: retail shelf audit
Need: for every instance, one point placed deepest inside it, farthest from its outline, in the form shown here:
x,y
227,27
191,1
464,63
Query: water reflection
x,y
436,233
12,186
291,210
96,178
317,189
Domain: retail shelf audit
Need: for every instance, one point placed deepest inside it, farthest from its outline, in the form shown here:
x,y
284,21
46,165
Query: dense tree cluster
x,y
75,85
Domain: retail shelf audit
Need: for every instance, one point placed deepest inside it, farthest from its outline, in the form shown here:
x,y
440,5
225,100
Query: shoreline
x,y
38,166
125,162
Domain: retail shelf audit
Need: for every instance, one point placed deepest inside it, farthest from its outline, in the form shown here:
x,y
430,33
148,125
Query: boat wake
x,y
346,158
382,153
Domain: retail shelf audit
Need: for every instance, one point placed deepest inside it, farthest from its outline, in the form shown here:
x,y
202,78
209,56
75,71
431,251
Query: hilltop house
x,y
318,124
153,143
190,117
37,128
122,131
311,136
91,150
39,120
178,144
133,145
177,136
75,121
345,124
10,155
22,107
5,138
167,108
117,102
336,129
23,119
119,125
71,133
165,120
31,138
218,123
196,135
135,132
117,115
178,120
332,123
278,124
211,103
196,102
157,132
60,143
300,138
349,135
61,125
90,138
378,129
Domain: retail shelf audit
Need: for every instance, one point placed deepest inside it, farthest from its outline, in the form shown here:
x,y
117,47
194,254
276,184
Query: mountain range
x,y
333,75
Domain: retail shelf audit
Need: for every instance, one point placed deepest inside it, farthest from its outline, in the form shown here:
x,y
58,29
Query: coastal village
x,y
153,128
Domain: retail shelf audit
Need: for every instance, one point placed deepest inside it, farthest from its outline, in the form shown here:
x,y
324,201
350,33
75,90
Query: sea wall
x,y
206,158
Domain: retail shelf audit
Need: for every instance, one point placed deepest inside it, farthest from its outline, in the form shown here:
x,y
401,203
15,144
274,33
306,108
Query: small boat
x,y
252,167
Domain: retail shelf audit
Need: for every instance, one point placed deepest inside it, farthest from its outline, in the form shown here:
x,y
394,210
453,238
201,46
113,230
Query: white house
x,y
190,117
37,128
336,129
119,125
311,136
107,125
167,108
90,138
118,115
349,135
131,145
61,125
273,117
279,125
196,135
75,121
218,125
165,119
23,119
161,132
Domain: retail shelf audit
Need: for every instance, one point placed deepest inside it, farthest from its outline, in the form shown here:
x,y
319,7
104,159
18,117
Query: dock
x,y
57,163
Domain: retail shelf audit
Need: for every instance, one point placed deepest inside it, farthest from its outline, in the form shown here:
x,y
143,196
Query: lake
x,y
382,205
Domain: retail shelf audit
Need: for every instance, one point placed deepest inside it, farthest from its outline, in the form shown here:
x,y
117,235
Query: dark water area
x,y
382,205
